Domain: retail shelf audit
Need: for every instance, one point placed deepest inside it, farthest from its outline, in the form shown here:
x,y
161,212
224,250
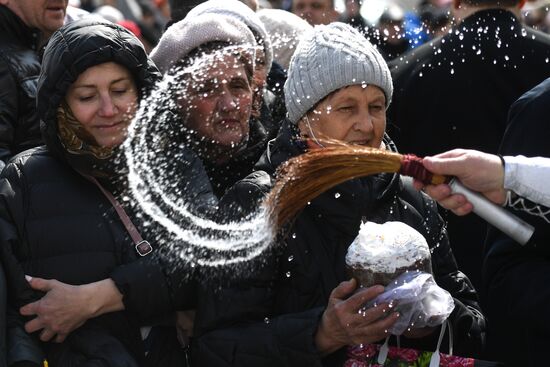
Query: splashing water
x,y
151,150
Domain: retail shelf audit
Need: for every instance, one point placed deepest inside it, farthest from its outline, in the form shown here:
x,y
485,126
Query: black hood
x,y
70,51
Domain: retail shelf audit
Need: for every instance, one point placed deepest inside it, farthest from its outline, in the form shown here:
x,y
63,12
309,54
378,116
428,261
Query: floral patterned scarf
x,y
74,138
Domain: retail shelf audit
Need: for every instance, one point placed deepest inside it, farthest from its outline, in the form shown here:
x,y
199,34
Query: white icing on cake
x,y
383,248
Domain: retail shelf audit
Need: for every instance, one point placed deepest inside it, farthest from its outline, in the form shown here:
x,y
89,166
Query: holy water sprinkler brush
x,y
306,176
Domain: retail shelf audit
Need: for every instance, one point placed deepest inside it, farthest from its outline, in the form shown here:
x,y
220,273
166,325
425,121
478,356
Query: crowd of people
x,y
88,278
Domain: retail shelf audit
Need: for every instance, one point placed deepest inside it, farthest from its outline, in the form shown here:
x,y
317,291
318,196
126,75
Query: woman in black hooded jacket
x,y
56,218
299,308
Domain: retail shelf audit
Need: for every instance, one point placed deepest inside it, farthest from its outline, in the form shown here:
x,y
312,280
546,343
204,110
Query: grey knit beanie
x,y
328,58
239,11
188,34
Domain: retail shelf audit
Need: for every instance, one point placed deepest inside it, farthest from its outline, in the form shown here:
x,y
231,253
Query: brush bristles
x,y
302,178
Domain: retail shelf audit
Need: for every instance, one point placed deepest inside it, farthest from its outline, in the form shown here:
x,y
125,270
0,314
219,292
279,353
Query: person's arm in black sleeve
x,y
8,111
155,285
21,348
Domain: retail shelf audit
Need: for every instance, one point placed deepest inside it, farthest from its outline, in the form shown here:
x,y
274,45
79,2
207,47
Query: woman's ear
x,y
302,128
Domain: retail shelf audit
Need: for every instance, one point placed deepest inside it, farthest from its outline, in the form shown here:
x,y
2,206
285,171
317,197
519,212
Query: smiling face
x,y
46,15
217,104
103,99
353,114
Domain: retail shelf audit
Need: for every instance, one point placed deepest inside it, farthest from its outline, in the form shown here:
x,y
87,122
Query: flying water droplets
x,y
151,151
524,32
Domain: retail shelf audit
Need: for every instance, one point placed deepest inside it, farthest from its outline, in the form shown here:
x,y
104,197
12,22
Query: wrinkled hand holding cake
x,y
381,252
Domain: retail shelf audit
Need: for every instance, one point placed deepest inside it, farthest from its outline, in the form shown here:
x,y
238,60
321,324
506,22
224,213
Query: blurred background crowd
x,y
395,26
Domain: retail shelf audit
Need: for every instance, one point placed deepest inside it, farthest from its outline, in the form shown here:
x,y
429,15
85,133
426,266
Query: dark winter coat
x,y
517,278
19,69
223,176
271,318
455,92
55,224
3,318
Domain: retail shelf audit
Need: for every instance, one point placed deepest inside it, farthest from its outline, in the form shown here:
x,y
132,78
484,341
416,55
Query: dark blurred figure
x,y
436,20
517,278
25,26
180,8
277,4
537,17
390,35
151,23
456,90
88,5
353,17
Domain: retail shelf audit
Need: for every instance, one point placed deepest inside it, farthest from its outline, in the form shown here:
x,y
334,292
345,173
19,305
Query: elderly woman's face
x,y
353,114
217,103
103,99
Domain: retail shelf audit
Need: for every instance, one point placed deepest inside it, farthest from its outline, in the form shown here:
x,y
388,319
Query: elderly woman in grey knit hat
x,y
305,307
338,87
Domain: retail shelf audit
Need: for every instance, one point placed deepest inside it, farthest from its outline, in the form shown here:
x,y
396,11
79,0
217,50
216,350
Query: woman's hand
x,y
66,307
344,321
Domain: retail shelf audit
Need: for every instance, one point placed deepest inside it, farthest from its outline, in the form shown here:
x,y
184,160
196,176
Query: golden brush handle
x,y
439,179
412,166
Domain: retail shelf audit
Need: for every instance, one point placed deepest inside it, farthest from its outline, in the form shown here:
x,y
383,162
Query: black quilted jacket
x,y
19,69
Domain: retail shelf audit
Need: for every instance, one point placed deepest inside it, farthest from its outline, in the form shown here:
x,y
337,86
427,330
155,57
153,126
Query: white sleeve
x,y
528,177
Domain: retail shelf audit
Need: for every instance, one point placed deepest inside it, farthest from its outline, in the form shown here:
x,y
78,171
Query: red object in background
x,y
131,26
